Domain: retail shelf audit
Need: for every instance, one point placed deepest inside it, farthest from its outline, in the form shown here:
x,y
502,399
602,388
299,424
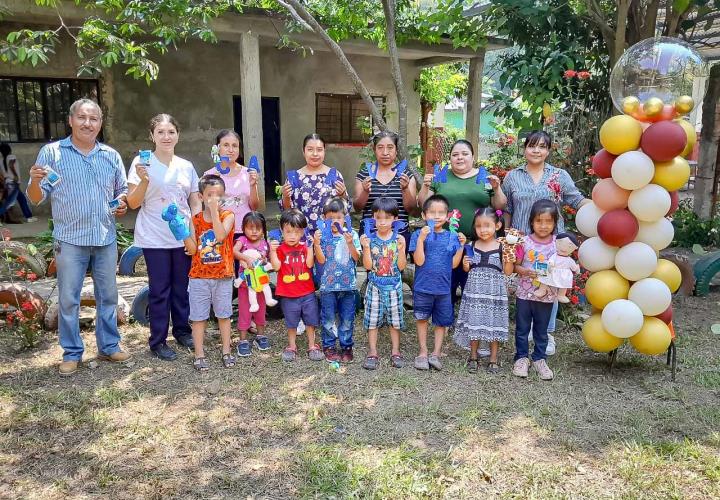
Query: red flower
x,y
27,306
32,276
569,73
574,299
583,75
20,273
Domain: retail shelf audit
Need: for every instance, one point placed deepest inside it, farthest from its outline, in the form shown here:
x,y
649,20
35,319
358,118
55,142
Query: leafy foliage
x,y
440,84
691,230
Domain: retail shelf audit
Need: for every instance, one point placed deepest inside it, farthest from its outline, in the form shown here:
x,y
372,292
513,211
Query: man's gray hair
x,y
81,102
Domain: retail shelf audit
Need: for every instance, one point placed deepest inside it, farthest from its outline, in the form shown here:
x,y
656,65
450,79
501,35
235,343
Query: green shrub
x,y
691,229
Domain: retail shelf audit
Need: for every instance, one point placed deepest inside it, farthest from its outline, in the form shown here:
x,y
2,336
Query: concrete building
x,y
273,97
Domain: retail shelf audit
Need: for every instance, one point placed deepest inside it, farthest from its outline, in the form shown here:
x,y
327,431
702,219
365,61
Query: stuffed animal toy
x,y
560,268
178,225
257,280
509,243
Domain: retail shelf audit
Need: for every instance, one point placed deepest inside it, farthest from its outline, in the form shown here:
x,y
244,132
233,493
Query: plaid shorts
x,y
383,306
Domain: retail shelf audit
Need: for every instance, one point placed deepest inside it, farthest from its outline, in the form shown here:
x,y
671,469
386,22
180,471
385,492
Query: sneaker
x,y
331,354
67,368
244,349
421,363
289,354
543,369
116,357
347,355
434,361
397,360
550,350
186,341
32,219
262,343
315,353
164,352
521,367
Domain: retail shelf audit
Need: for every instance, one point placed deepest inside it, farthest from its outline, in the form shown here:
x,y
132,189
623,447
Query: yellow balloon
x,y
684,104
653,106
605,286
630,104
620,134
669,273
653,338
691,136
673,174
597,338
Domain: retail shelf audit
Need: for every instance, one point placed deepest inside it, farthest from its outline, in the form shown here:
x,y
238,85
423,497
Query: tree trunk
x,y
389,9
620,31
706,180
314,25
425,108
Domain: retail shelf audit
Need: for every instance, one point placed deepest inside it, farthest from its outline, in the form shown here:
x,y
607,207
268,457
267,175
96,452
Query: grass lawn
x,y
269,430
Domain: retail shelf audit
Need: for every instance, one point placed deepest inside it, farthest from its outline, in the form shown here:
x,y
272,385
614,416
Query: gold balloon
x,y
691,136
630,104
653,106
673,174
597,338
684,104
669,273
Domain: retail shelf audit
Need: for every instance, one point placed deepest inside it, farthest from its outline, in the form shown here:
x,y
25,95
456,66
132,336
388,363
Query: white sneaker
x,y
550,350
32,219
300,328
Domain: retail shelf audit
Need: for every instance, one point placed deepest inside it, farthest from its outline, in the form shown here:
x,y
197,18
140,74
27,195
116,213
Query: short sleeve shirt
x,y
464,195
168,184
535,252
243,244
294,277
434,275
339,269
312,194
212,260
384,255
237,194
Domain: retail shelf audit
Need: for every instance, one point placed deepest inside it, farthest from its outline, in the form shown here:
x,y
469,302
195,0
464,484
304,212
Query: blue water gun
x,y
369,228
440,173
400,168
331,177
398,226
178,225
294,179
482,178
254,165
372,169
275,234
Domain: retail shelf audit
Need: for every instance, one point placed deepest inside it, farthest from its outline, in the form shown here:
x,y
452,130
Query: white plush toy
x,y
256,279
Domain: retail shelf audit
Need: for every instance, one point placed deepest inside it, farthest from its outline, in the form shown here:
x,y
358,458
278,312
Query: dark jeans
x,y
13,194
458,279
343,305
537,313
168,270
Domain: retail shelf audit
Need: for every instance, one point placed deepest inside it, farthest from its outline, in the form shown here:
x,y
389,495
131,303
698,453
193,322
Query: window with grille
x,y
344,118
36,109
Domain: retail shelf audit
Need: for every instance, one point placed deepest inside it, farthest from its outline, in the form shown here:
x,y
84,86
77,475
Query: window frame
x,y
347,140
44,82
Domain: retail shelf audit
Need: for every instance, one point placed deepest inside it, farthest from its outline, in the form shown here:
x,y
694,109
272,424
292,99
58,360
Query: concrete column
x,y
252,105
474,98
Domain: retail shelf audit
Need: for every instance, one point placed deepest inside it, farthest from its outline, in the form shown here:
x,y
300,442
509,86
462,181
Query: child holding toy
x,y
211,273
436,252
293,260
251,250
337,247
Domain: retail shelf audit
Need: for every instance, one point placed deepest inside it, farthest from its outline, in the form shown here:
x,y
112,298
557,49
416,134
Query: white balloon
x,y
587,218
649,203
651,295
632,170
596,255
658,234
622,318
636,261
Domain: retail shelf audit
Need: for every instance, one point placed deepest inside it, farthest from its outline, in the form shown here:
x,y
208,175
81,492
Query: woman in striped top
x,y
386,183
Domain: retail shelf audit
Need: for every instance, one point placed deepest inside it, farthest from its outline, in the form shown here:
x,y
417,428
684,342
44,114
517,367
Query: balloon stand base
x,y
671,360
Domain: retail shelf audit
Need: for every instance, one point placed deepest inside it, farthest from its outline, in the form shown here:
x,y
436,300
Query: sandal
x,y
371,363
201,364
397,360
471,365
492,368
289,354
228,360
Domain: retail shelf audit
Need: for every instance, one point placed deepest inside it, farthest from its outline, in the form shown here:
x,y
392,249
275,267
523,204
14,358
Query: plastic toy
x,y
326,229
370,228
294,179
509,243
372,169
400,168
254,165
331,177
455,216
178,225
257,281
275,234
431,226
144,156
440,173
482,178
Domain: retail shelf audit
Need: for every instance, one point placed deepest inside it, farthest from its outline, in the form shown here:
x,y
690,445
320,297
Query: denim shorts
x,y
210,292
305,307
439,307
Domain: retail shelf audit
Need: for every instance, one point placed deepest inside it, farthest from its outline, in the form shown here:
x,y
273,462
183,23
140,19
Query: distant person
x,y
10,177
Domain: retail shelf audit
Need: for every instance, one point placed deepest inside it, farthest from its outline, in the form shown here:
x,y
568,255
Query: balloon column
x,y
641,166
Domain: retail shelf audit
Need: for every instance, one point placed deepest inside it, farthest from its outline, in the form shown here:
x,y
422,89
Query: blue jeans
x,y
15,194
553,317
343,305
537,314
72,263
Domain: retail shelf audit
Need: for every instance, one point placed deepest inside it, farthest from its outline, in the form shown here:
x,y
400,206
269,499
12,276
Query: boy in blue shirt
x,y
436,252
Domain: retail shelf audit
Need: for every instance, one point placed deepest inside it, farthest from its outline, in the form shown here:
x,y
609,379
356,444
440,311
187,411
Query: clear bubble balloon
x,y
653,80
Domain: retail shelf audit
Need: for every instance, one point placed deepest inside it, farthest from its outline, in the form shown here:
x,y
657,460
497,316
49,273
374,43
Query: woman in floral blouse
x,y
309,187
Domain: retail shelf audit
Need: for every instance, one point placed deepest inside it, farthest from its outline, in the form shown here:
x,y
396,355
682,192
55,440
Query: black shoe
x,y
164,352
186,341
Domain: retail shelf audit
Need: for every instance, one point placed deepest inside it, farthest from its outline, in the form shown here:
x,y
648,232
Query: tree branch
x,y
293,13
389,10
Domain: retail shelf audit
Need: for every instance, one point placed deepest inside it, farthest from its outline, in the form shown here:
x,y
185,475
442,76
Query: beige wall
x,y
197,84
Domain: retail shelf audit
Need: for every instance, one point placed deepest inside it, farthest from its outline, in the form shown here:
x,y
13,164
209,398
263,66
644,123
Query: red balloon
x,y
674,203
618,228
666,316
663,141
602,163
